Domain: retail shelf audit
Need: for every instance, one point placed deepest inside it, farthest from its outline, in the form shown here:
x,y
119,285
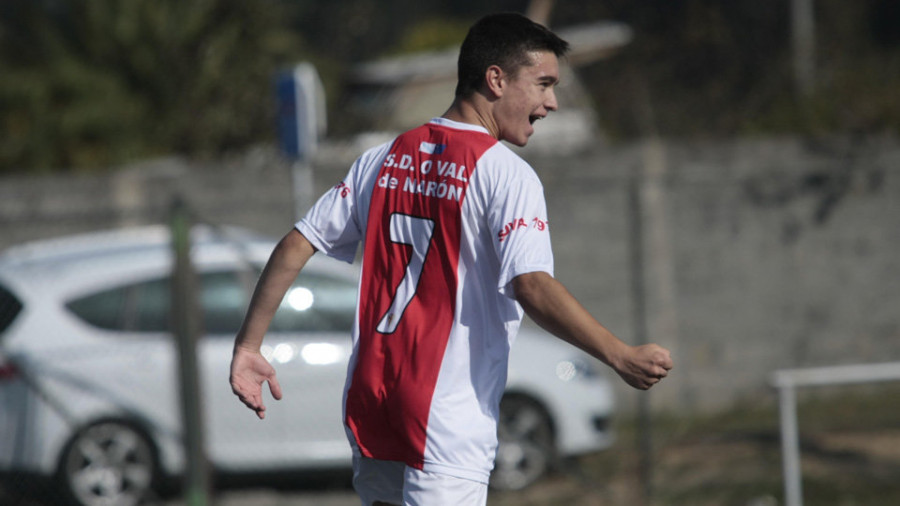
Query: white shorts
x,y
401,485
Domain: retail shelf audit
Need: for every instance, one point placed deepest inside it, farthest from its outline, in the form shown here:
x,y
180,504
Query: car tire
x,y
526,448
108,463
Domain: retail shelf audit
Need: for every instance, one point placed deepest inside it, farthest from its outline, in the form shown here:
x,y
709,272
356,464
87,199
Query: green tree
x,y
88,83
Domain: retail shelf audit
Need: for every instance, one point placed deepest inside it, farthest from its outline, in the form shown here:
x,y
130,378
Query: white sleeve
x,y
521,231
336,223
329,224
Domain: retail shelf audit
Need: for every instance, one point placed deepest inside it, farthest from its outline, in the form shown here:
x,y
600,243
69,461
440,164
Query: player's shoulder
x,y
505,162
373,155
378,150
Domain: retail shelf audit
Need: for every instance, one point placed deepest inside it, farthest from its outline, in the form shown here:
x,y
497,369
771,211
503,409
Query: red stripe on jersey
x,y
409,286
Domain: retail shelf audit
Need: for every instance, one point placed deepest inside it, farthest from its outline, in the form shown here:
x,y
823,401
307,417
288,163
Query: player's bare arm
x,y
552,307
249,369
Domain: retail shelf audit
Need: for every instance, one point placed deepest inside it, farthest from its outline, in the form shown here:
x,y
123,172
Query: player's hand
x,y
644,366
249,370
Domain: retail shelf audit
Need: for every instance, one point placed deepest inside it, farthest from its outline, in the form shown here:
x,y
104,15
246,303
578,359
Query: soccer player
x,y
456,245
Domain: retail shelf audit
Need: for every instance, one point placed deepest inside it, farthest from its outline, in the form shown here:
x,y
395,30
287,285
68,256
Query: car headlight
x,y
571,369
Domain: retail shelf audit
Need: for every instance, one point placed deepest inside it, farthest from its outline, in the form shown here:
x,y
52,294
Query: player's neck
x,y
473,110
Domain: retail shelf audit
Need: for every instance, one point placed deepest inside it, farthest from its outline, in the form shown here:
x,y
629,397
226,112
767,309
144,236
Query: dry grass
x,y
850,446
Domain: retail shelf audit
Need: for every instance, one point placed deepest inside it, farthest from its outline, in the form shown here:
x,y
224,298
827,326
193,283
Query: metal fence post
x,y
787,381
803,40
790,445
185,328
638,294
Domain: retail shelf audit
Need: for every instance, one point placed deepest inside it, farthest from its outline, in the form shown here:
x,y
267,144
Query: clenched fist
x,y
643,366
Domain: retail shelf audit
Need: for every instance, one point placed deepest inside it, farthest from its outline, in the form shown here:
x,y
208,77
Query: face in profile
x,y
526,97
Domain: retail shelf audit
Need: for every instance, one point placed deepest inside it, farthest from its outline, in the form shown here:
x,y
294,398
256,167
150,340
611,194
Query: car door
x,y
308,344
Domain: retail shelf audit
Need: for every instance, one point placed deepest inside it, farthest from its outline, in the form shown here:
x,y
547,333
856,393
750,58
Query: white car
x,y
89,391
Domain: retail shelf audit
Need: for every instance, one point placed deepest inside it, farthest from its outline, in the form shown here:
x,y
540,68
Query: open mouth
x,y
533,118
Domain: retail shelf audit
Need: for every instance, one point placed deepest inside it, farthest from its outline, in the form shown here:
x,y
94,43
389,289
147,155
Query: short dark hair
x,y
504,40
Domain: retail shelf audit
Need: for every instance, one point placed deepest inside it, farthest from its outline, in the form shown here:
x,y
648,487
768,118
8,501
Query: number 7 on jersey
x,y
417,233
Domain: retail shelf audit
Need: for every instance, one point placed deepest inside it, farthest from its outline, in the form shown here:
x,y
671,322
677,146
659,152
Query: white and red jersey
x,y
448,216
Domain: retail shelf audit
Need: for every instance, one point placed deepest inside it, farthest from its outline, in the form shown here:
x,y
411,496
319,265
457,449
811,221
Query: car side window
x,y
224,298
145,306
105,310
149,307
317,303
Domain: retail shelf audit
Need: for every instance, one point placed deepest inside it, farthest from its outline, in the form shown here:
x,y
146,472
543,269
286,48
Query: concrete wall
x,y
756,254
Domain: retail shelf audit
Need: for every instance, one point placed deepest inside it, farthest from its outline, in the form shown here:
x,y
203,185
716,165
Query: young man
x,y
455,245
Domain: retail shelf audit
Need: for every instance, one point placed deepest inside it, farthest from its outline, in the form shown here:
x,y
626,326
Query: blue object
x,y
298,93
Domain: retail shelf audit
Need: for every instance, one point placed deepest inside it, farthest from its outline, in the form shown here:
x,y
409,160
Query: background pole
x,y
185,326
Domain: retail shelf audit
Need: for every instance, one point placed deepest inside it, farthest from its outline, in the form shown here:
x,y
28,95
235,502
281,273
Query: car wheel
x,y
526,448
109,463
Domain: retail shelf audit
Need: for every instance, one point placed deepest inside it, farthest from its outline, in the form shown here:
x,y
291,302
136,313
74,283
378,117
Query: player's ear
x,y
495,80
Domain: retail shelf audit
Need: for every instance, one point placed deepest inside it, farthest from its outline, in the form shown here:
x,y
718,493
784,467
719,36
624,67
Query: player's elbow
x,y
293,250
529,287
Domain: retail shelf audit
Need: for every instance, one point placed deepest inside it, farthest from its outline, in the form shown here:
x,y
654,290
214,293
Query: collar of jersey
x,y
458,125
